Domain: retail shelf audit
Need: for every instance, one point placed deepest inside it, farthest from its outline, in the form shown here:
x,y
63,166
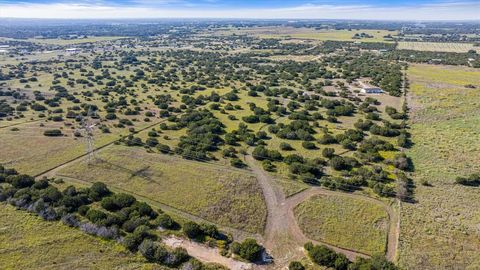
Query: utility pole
x,y
87,126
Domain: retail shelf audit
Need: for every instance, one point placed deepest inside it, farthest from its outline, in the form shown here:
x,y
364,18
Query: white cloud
x,y
441,11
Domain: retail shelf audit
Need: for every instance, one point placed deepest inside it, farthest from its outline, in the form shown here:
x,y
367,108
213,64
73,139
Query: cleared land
x,y
56,246
215,193
310,33
26,145
72,41
442,230
436,46
346,222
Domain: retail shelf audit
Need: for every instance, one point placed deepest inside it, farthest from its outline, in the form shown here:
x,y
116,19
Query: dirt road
x,y
206,254
392,237
284,238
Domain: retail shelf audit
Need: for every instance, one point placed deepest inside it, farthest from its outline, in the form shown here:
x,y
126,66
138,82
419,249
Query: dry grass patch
x,y
442,230
30,152
215,193
436,46
28,242
345,222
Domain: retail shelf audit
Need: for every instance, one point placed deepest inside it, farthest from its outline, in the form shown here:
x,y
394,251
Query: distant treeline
x,y
448,58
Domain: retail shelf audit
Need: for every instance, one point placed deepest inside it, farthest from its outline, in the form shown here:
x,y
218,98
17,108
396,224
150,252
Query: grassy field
x,y
310,33
215,193
441,230
30,152
344,222
72,41
436,46
28,242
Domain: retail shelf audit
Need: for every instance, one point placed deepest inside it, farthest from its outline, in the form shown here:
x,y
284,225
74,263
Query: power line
x,y
87,127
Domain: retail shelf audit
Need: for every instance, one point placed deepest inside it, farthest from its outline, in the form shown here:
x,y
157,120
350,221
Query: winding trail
x,y
206,254
21,123
284,238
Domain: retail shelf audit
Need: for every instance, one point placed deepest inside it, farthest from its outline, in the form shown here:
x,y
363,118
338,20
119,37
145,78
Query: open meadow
x,y
441,230
436,46
218,194
346,222
28,242
311,34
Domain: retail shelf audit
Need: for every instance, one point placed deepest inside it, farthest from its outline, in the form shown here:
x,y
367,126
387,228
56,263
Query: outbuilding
x,y
371,90
72,50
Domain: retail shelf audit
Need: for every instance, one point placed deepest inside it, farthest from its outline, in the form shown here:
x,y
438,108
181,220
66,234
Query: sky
x,y
419,10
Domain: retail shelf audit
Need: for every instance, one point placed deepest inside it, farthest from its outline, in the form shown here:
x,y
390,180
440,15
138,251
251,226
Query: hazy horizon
x,y
392,10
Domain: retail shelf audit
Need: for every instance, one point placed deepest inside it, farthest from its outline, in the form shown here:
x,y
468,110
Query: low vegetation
x,y
322,255
119,217
221,195
444,121
24,238
345,222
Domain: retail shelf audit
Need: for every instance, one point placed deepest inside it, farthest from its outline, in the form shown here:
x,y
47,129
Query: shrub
x,y
327,139
249,250
286,146
70,220
177,257
98,190
163,148
131,242
236,162
293,158
472,180
95,216
322,255
132,224
309,145
338,163
22,181
328,152
294,265
210,230
192,229
268,166
402,162
152,142
165,221
41,184
109,204
52,133
148,248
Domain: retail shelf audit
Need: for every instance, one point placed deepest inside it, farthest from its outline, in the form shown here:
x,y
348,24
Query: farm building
x,y
371,90
72,50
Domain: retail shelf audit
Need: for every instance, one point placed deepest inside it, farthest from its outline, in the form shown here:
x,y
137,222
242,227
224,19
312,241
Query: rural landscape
x,y
239,144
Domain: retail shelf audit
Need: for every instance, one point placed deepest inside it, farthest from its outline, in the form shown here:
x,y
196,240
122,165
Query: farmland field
x,y
26,144
307,33
345,222
28,242
220,195
441,230
436,46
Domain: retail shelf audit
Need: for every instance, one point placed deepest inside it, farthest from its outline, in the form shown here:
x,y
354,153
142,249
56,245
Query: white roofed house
x,y
72,50
4,48
371,90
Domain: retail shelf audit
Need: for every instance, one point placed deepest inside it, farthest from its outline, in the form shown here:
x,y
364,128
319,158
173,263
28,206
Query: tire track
x,y
281,219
